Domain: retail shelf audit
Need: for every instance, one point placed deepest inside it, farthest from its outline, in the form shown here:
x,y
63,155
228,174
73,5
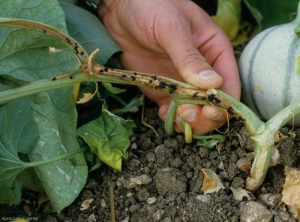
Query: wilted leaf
x,y
228,17
108,138
88,96
291,189
211,182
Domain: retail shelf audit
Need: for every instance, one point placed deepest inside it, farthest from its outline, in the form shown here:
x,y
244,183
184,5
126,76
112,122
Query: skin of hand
x,y
176,39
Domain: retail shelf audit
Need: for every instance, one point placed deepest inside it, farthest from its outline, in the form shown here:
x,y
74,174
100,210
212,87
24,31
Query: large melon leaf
x,y
269,13
24,56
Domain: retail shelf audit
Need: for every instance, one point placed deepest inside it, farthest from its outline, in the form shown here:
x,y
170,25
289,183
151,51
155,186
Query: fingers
x,y
202,119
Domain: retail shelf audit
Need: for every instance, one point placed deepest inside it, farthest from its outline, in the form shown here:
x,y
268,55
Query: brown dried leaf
x,y
291,189
211,182
239,193
86,204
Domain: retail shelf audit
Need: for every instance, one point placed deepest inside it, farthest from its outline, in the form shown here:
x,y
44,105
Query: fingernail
x,y
210,75
188,115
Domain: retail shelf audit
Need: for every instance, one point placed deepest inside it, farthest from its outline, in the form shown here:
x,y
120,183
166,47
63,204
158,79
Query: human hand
x,y
176,39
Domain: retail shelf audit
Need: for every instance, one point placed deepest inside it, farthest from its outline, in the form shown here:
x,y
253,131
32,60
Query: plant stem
x,y
264,145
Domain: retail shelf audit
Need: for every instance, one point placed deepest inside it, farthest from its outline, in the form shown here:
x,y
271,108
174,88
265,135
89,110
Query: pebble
x,y
171,143
158,215
167,219
237,182
204,198
151,200
134,163
140,180
102,203
143,194
126,219
134,208
151,157
244,164
270,199
177,162
162,154
134,146
203,152
253,211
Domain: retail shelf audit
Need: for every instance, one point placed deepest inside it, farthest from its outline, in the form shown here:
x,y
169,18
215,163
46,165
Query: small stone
x,y
176,163
158,215
244,164
171,143
151,200
253,211
162,154
102,203
167,219
189,175
203,152
134,208
92,218
140,180
204,198
270,199
146,144
134,163
126,219
150,157
134,146
245,140
213,154
143,194
237,182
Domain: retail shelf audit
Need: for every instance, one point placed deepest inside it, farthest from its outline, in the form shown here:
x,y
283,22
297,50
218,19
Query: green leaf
x,y
56,118
87,29
113,89
272,12
108,138
24,55
209,141
18,133
10,194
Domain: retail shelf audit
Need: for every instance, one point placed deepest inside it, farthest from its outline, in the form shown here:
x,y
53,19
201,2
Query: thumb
x,y
189,62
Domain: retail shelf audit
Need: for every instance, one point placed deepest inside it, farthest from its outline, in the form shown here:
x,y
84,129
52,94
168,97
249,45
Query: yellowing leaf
x,y
291,189
211,182
228,16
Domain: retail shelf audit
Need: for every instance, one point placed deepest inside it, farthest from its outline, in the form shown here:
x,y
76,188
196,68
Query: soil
x,y
162,179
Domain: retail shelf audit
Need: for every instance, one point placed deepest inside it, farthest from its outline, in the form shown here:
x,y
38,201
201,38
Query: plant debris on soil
x,y
162,179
